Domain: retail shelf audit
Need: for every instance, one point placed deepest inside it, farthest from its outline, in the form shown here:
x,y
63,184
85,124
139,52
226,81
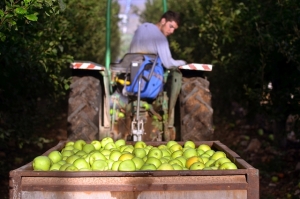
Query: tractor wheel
x,y
84,107
195,110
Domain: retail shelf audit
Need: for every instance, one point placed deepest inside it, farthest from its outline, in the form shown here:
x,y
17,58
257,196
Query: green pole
x,y
165,6
107,57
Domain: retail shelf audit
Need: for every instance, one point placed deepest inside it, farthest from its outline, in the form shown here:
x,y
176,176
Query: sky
x,y
139,3
133,20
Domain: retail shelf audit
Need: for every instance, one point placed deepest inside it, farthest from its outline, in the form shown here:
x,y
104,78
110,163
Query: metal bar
x,y
107,56
165,5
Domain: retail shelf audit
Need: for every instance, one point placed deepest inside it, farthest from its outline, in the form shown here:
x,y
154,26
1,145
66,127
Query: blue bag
x,y
149,89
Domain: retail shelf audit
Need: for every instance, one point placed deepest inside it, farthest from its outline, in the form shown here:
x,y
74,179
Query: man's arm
x,y
165,56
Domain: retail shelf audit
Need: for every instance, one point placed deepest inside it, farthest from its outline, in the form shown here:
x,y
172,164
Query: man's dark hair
x,y
171,16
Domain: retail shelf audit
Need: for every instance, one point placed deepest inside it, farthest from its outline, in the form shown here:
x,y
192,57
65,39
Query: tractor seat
x,y
124,65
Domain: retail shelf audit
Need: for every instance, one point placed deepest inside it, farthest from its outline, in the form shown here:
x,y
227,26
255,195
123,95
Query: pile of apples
x,y
110,155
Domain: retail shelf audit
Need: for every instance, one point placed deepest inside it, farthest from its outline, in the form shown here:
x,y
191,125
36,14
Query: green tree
x,y
87,28
39,39
249,46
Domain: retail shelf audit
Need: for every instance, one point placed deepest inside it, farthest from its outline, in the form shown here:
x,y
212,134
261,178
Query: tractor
x,y
100,105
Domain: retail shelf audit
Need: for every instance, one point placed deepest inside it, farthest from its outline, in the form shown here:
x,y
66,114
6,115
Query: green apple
x,y
55,156
204,147
171,143
70,148
217,155
140,144
193,160
167,158
87,157
148,167
69,143
200,152
139,162
189,144
182,160
75,150
78,144
71,168
145,158
110,163
175,161
64,166
165,152
110,146
139,152
175,147
205,159
260,132
164,160
146,106
62,162
197,166
190,153
115,165
67,153
176,154
114,149
96,156
152,160
88,148
177,167
106,153
210,152
155,152
81,163
124,147
126,156
148,147
274,178
72,158
127,165
106,140
80,153
210,163
55,167
41,163
204,155
96,144
221,161
228,166
128,149
120,142
165,166
115,155
162,146
100,165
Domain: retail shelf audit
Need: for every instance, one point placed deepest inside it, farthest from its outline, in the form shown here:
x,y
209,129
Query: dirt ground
x,y
279,169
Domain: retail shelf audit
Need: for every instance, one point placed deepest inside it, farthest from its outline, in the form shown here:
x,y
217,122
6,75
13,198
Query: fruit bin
x,y
201,184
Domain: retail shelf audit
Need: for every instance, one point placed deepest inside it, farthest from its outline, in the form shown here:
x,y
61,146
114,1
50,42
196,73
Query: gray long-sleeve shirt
x,y
149,39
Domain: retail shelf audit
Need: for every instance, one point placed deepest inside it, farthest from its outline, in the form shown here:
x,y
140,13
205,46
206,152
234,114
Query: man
x,y
152,38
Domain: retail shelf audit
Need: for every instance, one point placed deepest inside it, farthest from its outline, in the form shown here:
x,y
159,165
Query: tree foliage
x,y
38,40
